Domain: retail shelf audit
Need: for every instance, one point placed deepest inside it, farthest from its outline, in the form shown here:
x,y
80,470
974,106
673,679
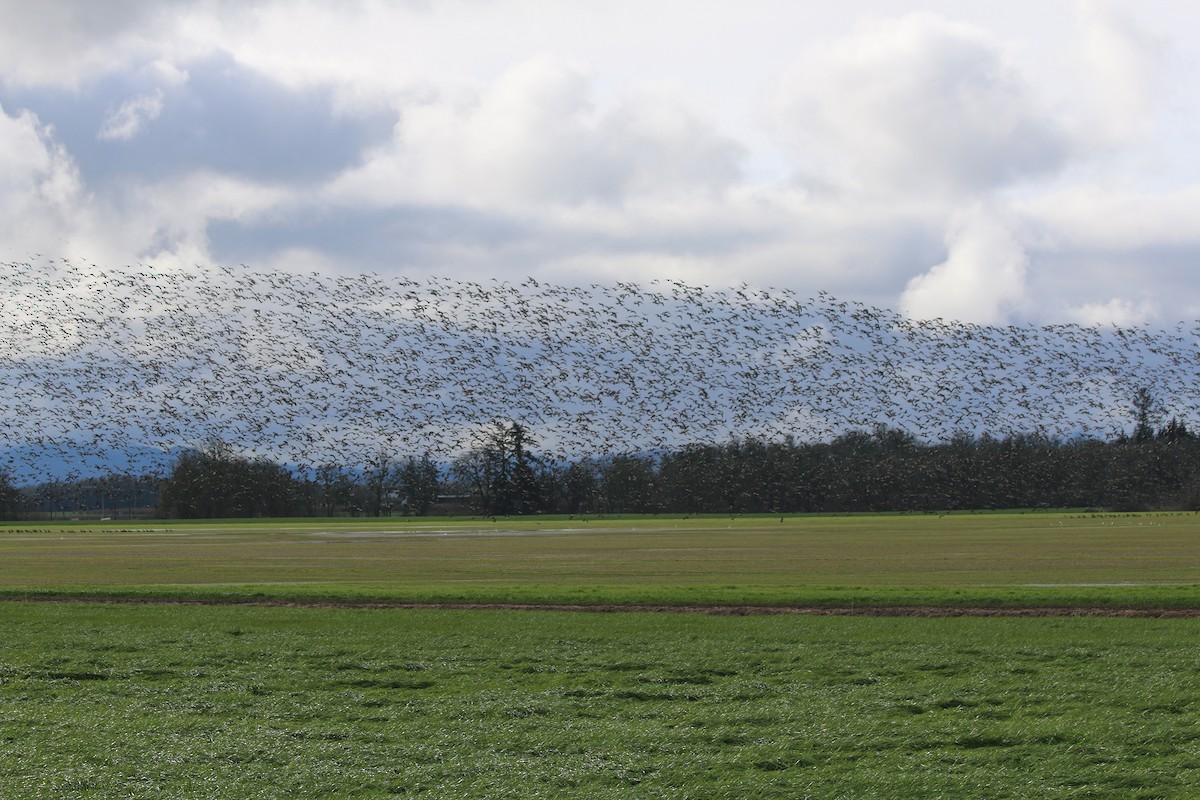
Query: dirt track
x,y
724,611
816,611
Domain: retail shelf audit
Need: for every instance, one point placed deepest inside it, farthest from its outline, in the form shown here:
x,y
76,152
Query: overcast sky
x,y
999,161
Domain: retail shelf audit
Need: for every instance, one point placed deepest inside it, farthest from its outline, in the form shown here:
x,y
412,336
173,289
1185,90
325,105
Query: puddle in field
x,y
451,533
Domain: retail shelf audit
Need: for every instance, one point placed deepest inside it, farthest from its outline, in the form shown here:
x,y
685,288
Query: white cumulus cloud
x,y
1125,61
921,104
1118,311
981,281
535,137
41,194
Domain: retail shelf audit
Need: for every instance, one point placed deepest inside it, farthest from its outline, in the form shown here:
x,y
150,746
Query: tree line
x,y
884,469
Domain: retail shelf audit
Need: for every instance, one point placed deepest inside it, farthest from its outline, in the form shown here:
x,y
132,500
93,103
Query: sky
x,y
994,162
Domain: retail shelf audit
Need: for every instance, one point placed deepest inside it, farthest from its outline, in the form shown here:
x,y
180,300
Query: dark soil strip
x,y
725,611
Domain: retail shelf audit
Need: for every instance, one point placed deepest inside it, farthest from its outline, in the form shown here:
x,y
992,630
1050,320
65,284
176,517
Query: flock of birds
x,y
109,370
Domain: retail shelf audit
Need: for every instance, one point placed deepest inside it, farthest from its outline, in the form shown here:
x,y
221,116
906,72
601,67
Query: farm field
x,y
261,700
168,701
1071,559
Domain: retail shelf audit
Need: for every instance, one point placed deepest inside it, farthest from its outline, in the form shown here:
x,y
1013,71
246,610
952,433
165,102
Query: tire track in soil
x,y
716,610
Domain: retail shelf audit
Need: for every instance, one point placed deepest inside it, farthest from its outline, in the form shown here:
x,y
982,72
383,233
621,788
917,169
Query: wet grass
x,y
240,702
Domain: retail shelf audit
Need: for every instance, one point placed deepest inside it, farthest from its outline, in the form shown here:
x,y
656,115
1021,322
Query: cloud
x,y
1096,245
536,136
1125,61
211,115
432,138
173,217
72,42
41,193
982,279
127,121
920,105
1118,311
408,238
1098,217
47,206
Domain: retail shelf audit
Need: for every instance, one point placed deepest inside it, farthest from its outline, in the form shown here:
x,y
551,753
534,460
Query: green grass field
x,y
261,701
962,559
106,701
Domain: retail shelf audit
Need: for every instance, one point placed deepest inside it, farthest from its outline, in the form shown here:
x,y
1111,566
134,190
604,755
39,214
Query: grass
x,y
250,702
1039,559
182,701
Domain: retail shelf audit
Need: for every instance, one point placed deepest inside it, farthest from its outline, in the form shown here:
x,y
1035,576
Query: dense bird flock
x,y
108,369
